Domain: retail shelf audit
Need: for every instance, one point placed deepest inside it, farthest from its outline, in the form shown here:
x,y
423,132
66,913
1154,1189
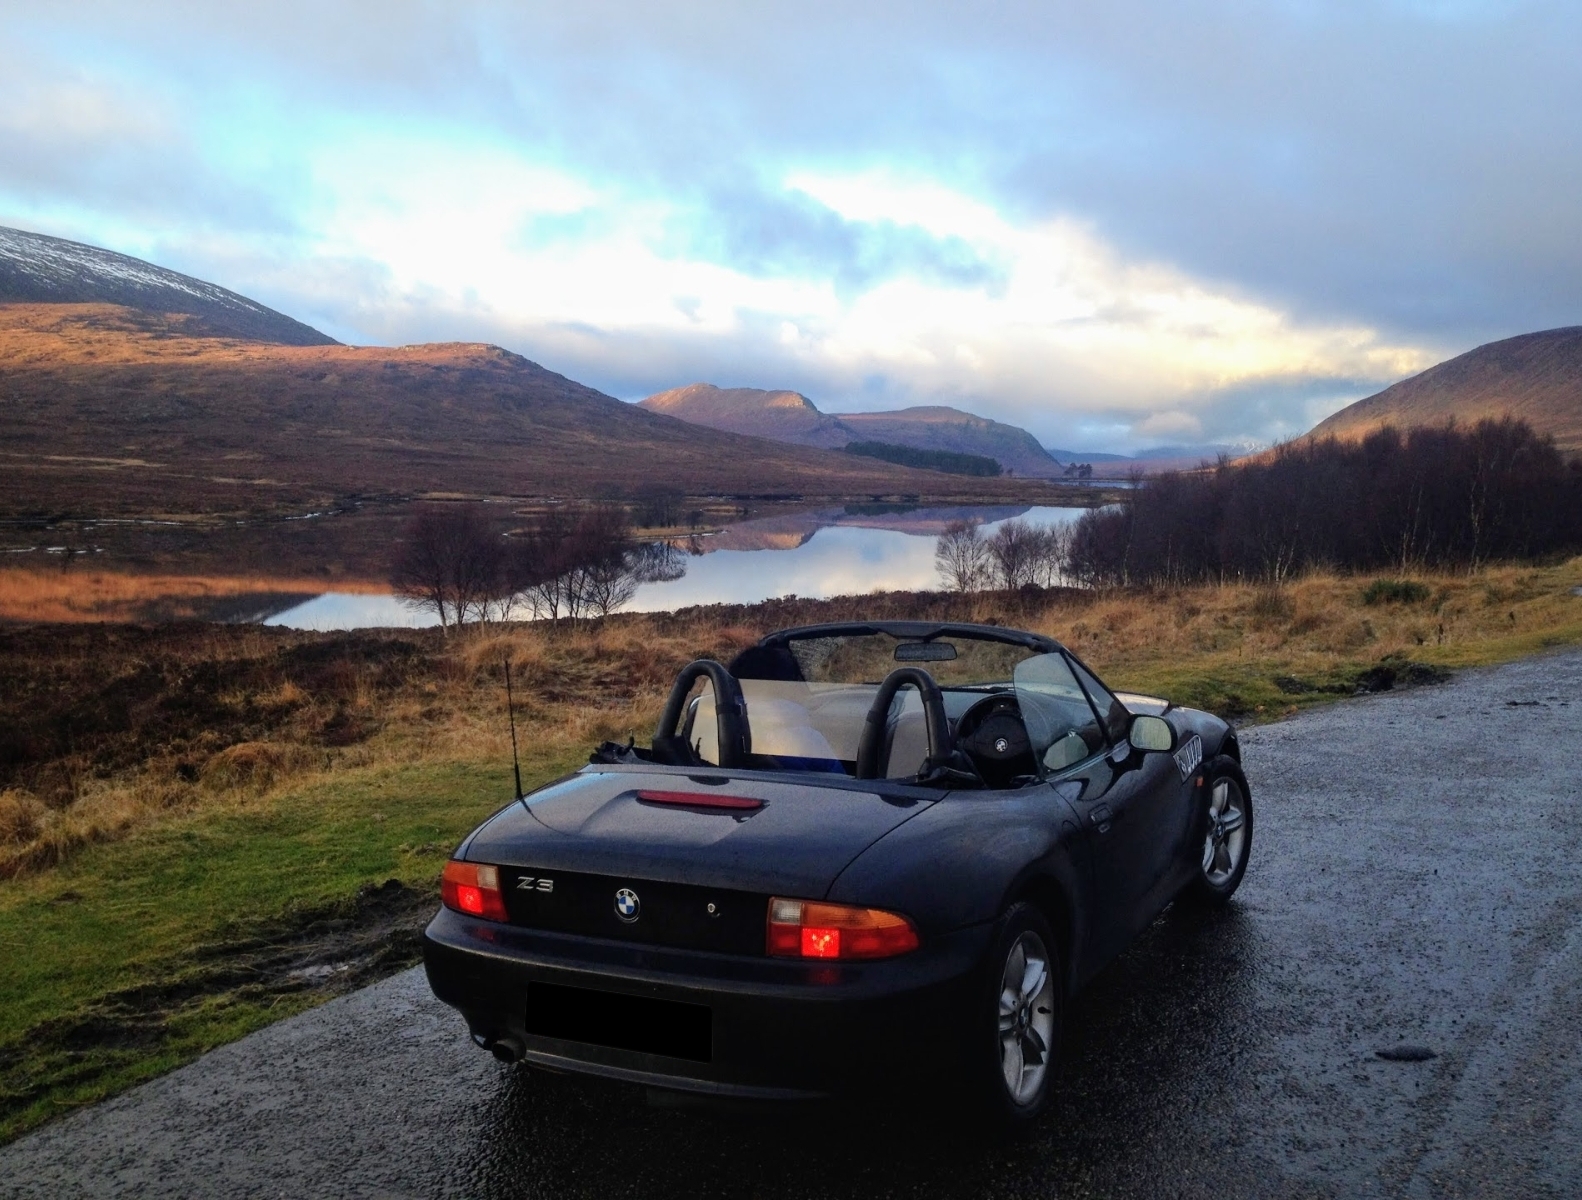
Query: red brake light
x,y
474,889
701,800
809,929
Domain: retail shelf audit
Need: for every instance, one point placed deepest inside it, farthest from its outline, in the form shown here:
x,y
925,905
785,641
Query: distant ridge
x,y
112,411
791,417
1535,377
783,416
38,269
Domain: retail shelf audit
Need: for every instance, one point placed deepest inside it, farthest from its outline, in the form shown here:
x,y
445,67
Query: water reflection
x,y
818,553
346,610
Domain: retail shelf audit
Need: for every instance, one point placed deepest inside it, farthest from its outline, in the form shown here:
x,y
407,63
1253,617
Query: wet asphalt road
x,y
1416,878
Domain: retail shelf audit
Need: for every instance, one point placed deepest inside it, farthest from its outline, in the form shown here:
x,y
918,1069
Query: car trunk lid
x,y
795,844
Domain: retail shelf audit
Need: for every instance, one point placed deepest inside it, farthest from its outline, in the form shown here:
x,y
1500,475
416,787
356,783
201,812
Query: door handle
x,y
1102,817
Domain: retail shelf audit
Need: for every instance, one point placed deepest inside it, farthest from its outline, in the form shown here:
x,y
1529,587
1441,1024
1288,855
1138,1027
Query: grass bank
x,y
205,828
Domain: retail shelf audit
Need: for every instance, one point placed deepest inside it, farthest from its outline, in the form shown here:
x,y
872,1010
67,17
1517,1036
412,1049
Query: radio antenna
x,y
510,712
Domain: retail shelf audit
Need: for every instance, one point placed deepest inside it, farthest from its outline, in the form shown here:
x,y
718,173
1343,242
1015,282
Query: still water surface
x,y
826,552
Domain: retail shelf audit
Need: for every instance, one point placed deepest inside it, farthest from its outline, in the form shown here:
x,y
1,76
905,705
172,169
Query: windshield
x,y
1061,722
952,660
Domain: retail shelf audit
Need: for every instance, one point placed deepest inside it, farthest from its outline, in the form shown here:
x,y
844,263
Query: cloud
x,y
1047,321
1170,426
1079,217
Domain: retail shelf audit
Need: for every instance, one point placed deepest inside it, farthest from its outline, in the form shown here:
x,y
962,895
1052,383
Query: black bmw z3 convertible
x,y
860,858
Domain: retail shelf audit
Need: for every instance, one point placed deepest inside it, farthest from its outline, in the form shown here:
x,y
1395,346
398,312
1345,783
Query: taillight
x,y
809,929
474,889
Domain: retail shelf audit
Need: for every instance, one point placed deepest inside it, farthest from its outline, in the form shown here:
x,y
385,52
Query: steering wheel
x,y
876,724
993,734
730,717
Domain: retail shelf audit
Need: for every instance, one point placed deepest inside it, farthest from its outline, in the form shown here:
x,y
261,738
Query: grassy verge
x,y
137,955
204,829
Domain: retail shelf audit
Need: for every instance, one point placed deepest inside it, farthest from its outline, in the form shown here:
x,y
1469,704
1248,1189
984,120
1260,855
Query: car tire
x,y
1224,843
1016,1035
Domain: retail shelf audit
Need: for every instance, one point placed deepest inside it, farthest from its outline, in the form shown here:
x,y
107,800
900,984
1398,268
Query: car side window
x,y
1055,710
1117,720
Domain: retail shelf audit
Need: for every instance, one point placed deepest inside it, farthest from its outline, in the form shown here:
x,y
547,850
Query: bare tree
x,y
1439,497
583,566
961,557
600,580
449,561
1051,554
1014,552
543,564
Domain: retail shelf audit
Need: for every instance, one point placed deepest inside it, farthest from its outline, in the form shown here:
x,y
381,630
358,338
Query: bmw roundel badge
x,y
627,906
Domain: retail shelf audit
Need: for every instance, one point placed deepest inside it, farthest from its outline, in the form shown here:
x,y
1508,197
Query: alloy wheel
x,y
1027,1018
1226,840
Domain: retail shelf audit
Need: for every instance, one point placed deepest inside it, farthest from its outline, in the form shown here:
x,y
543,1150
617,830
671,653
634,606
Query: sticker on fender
x,y
1189,756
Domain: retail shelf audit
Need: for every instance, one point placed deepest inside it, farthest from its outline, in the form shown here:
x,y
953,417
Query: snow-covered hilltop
x,y
38,269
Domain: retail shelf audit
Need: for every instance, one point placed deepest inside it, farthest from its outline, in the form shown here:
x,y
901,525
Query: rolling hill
x,y
37,269
130,390
782,416
111,410
792,417
1536,377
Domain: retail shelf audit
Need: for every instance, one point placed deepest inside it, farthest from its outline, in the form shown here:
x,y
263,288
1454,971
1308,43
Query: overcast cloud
x,y
1116,224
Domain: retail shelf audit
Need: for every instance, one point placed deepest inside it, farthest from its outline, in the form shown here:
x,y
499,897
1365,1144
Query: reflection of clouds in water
x,y
834,562
838,560
343,610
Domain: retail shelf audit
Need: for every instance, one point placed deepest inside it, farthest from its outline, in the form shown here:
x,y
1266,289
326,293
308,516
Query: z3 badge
x,y
529,884
1189,756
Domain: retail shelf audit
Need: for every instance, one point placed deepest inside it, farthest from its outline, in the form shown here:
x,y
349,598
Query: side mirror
x,y
1151,733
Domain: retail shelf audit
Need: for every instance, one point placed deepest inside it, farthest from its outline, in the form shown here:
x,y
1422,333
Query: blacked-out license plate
x,y
639,1023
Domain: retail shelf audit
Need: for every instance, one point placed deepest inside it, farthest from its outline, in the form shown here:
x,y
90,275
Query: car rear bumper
x,y
779,1028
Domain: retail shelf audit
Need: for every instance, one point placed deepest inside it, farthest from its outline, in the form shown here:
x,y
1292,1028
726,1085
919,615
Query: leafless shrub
x,y
22,815
255,765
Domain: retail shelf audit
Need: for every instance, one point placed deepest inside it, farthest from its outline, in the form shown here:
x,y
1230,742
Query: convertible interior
x,y
955,707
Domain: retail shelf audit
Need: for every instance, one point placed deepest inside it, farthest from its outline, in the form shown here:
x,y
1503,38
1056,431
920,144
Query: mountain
x,y
792,417
1536,377
936,427
109,410
38,269
783,416
1158,460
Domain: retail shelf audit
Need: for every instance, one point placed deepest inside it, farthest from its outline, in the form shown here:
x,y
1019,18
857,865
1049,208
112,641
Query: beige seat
x,y
908,739
781,727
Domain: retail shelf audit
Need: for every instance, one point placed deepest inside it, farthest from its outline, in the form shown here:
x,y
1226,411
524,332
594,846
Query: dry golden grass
x,y
397,700
32,595
1319,627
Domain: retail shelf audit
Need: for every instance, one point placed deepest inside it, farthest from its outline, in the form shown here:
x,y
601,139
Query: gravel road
x,y
1416,879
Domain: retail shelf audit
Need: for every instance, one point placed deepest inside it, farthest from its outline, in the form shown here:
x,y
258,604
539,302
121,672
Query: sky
x,y
1118,225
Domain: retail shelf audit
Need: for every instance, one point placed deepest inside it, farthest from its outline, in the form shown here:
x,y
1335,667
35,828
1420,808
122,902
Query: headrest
x,y
774,663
